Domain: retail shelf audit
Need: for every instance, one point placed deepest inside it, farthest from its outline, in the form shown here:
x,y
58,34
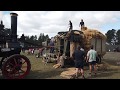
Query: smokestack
x,y
14,26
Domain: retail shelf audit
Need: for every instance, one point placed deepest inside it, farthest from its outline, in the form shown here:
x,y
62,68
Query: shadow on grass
x,y
107,74
51,74
112,62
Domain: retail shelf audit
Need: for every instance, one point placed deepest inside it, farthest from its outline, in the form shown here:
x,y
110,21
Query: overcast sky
x,y
51,22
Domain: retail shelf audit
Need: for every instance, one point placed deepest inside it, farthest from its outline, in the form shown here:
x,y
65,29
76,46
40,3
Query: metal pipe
x,y
14,26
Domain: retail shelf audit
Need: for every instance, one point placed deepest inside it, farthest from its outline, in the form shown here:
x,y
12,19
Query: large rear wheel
x,y
16,67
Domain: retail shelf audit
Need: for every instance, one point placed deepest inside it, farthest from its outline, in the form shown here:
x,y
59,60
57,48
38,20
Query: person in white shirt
x,y
91,58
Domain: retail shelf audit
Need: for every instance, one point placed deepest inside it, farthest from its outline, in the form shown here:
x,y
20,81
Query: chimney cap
x,y
13,14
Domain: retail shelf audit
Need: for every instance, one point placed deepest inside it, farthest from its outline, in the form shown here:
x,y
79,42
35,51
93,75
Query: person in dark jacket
x,y
79,56
81,24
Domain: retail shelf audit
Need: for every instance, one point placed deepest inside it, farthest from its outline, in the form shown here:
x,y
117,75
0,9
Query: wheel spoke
x,y
17,72
23,62
12,68
16,66
10,64
24,67
7,68
22,71
11,73
15,61
19,64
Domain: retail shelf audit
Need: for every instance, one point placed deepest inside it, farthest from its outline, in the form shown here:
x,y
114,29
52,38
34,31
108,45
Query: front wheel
x,y
16,67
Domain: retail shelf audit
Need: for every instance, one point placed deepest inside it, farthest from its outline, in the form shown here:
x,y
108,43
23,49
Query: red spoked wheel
x,y
16,67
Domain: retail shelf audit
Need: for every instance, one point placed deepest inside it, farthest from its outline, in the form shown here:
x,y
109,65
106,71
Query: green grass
x,y
39,70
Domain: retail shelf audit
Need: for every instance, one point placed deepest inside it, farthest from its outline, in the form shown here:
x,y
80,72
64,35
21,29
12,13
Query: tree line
x,y
113,37
34,39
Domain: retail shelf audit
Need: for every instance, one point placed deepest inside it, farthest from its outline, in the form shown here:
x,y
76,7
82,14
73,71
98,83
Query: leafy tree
x,y
22,38
46,37
33,39
118,37
111,36
42,38
27,38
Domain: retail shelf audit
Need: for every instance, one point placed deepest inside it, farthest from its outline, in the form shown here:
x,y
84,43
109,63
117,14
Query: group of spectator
x,y
31,51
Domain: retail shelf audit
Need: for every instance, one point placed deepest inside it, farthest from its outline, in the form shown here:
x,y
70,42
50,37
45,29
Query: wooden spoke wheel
x,y
16,67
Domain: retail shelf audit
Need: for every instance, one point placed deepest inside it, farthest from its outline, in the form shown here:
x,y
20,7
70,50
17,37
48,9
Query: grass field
x,y
39,70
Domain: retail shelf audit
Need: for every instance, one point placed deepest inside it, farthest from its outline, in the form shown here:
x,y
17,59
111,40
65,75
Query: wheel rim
x,y
16,67
3,60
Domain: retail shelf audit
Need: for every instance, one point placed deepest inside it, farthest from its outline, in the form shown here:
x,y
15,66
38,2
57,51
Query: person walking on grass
x,y
79,56
91,58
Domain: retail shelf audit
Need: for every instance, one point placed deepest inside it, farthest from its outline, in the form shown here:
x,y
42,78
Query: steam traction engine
x,y
12,64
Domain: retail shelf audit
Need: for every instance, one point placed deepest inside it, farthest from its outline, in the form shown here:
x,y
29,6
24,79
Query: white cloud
x,y
51,22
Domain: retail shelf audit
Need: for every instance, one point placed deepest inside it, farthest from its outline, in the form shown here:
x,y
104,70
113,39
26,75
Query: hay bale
x,y
67,77
90,33
56,65
69,73
71,68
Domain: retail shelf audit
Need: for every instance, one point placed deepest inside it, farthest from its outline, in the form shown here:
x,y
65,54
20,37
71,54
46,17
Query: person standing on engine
x,y
81,24
70,25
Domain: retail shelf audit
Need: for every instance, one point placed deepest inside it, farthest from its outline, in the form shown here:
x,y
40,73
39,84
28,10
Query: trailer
x,y
69,40
97,39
